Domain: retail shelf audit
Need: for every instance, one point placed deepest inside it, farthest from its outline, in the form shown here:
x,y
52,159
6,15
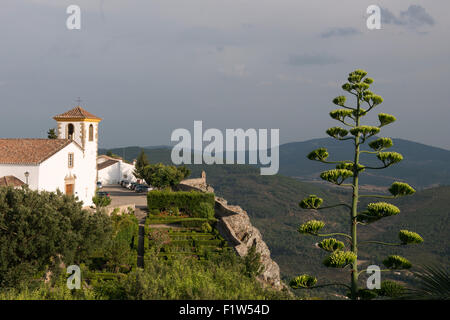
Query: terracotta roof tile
x,y
10,181
29,151
76,113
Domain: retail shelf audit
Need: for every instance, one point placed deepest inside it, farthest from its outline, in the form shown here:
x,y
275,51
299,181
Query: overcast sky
x,y
148,67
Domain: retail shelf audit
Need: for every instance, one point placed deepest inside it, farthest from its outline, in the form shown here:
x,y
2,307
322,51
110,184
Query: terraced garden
x,y
180,236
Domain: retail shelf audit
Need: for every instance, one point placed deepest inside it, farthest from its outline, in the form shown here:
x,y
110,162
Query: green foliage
x,y
311,227
101,201
120,252
366,294
303,281
341,114
205,210
340,259
331,244
386,119
47,291
397,262
141,163
162,176
320,154
398,189
337,132
391,289
193,203
390,158
252,263
381,143
206,227
349,166
340,101
194,222
51,134
378,210
432,283
187,278
366,131
311,202
336,176
408,237
359,86
38,230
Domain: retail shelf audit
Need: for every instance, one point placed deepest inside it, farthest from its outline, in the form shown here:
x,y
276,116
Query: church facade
x,y
68,163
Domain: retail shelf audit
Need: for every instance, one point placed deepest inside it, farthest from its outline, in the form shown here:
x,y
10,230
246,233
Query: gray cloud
x,y
417,16
414,17
312,59
339,32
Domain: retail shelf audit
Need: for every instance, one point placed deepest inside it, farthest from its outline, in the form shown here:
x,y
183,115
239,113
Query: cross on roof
x,y
78,101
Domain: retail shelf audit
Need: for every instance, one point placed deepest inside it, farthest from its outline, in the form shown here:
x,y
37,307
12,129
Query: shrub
x,y
205,210
206,227
193,203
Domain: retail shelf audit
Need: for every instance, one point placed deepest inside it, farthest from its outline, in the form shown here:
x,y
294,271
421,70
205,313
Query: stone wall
x,y
235,226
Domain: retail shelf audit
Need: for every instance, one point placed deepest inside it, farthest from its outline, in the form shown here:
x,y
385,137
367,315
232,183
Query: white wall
x,y
110,175
116,172
54,170
127,169
19,170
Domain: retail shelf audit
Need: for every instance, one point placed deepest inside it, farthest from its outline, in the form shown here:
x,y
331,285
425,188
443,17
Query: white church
x,y
68,163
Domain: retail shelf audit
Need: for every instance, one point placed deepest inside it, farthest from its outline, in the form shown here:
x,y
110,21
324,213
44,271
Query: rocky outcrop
x,y
235,226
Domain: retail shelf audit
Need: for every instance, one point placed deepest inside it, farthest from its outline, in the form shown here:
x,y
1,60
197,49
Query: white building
x,y
68,163
113,170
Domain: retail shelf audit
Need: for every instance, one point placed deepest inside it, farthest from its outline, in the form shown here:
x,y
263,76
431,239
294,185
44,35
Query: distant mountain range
x,y
423,166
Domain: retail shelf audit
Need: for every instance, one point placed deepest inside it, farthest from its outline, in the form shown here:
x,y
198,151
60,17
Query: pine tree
x,y
351,117
141,163
51,134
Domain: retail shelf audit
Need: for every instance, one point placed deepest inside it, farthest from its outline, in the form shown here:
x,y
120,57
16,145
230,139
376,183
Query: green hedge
x,y
101,276
216,242
193,203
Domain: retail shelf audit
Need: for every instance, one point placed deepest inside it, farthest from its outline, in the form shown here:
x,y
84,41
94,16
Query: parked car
x,y
99,185
142,188
102,194
125,183
132,186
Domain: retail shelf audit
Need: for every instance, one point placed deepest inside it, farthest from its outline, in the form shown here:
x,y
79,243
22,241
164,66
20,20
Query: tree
x,y
101,201
141,163
340,257
38,230
161,176
51,134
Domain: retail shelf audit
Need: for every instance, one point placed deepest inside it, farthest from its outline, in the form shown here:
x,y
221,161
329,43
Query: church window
x,y
91,133
71,160
70,131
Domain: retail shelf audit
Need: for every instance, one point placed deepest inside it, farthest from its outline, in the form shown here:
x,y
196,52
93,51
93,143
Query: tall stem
x,y
354,248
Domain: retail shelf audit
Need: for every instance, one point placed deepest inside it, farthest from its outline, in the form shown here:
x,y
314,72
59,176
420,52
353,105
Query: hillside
x,y
272,204
423,166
